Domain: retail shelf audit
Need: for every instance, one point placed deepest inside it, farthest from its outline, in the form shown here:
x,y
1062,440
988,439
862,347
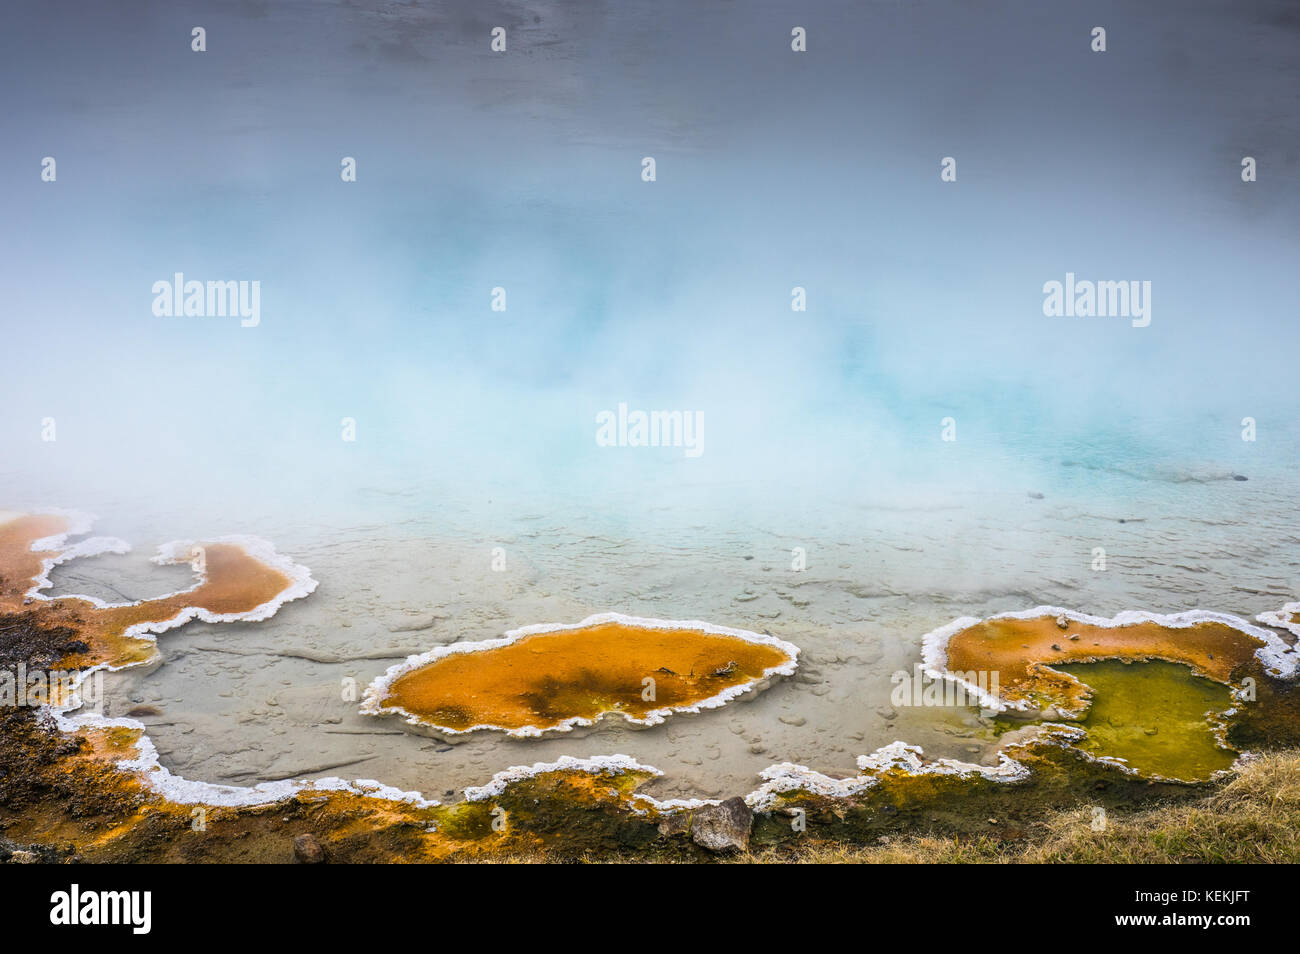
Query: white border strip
x,y
788,778
378,690
146,765
1279,659
596,765
1278,618
176,552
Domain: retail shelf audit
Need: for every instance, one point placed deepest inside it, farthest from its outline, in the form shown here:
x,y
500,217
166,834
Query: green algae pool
x,y
1155,715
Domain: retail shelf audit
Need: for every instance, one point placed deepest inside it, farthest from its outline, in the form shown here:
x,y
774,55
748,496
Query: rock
x,y
1062,622
70,745
723,827
307,850
24,858
1239,477
137,712
794,720
1035,495
678,823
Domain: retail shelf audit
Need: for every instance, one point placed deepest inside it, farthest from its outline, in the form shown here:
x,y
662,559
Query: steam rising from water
x,y
523,172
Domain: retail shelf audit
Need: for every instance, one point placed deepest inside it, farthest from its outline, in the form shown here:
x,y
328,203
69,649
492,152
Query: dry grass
x,y
1255,818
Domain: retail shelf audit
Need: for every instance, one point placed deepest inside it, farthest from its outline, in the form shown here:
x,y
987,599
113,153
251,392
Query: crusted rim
x,y
372,703
1279,659
1279,618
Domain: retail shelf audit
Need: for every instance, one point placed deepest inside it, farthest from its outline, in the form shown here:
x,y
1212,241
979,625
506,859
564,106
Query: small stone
x,y
21,857
723,827
307,850
794,720
1057,647
1062,622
